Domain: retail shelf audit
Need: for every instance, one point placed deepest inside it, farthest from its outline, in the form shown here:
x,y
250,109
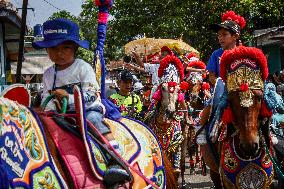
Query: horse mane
x,y
243,52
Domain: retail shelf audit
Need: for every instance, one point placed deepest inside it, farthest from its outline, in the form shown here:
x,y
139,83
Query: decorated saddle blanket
x,y
23,149
240,173
87,163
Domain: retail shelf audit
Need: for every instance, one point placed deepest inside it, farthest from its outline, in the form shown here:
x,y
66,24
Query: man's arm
x,y
138,59
133,67
195,70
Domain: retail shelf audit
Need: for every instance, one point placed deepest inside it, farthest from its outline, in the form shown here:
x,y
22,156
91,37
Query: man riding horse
x,y
238,131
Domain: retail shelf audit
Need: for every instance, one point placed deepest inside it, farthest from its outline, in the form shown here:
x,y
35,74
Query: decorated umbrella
x,y
148,46
177,44
145,46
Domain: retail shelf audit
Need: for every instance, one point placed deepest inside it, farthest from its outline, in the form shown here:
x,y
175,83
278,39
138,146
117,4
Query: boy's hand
x,y
60,94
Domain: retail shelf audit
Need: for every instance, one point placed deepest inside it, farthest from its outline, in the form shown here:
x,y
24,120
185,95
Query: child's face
x,y
125,86
63,54
226,39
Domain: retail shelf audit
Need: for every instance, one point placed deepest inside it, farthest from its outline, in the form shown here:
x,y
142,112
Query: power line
x,y
52,5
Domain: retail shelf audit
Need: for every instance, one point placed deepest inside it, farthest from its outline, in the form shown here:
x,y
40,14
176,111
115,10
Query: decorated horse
x,y
51,150
36,155
239,149
195,102
164,115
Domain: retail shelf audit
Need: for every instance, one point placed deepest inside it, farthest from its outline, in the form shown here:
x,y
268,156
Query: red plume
x,y
231,15
168,60
242,52
190,55
184,85
199,64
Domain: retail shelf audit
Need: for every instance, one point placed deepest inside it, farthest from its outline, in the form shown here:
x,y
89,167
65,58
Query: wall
x,y
274,57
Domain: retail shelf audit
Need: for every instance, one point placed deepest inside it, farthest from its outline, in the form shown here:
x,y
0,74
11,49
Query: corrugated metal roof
x,y
258,33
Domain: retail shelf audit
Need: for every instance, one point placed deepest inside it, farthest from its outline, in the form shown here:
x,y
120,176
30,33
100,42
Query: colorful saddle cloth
x,y
23,149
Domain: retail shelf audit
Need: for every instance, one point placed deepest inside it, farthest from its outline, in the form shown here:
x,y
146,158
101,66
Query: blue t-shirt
x,y
214,62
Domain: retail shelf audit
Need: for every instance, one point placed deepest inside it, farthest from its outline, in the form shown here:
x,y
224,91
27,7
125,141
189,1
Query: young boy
x,y
228,35
61,40
129,103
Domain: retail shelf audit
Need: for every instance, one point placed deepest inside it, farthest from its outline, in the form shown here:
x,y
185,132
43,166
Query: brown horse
x,y
243,126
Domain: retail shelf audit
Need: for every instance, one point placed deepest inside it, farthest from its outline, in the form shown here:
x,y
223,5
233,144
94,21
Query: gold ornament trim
x,y
245,76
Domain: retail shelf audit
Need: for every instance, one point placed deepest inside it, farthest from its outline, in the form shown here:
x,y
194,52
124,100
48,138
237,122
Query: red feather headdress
x,y
190,55
197,64
241,53
170,59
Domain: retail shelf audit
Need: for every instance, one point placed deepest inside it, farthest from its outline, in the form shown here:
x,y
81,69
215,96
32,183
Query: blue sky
x,y
43,10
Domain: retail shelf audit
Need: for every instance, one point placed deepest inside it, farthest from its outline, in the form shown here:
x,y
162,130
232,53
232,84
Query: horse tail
x,y
171,180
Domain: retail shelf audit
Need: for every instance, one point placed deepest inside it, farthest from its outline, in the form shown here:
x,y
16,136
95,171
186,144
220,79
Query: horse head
x,y
244,70
195,79
170,73
170,94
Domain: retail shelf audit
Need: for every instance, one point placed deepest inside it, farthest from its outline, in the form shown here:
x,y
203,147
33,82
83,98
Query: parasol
x,y
145,46
148,46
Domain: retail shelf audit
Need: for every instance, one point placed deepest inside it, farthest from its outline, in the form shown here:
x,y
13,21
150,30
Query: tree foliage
x,y
171,18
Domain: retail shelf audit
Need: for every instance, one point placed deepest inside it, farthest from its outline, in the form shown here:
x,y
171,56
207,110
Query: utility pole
x,y
21,43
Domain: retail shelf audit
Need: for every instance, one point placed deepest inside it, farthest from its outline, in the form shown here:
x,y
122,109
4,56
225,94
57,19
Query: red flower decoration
x,y
205,86
171,86
123,108
184,85
244,87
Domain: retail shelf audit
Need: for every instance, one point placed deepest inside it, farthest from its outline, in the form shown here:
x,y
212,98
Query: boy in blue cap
x,y
228,32
61,40
228,36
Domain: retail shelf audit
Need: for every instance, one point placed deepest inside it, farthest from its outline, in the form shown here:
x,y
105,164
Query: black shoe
x,y
115,174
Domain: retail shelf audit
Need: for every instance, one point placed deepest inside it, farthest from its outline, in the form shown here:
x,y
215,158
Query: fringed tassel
x,y
227,116
265,111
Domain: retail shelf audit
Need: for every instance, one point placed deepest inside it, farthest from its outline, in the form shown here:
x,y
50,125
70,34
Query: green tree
x,y
171,18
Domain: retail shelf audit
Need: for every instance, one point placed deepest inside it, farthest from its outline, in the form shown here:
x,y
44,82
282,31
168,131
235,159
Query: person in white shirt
x,y
150,68
61,40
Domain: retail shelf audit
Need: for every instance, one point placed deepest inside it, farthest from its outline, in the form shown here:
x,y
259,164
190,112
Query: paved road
x,y
196,179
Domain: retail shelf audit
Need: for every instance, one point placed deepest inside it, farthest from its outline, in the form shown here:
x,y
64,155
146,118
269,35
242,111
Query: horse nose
x,y
249,149
255,147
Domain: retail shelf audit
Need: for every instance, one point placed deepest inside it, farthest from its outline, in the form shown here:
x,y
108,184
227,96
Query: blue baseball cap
x,y
58,31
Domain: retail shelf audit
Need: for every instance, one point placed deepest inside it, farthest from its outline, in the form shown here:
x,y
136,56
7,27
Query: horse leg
x,y
215,177
171,180
183,155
